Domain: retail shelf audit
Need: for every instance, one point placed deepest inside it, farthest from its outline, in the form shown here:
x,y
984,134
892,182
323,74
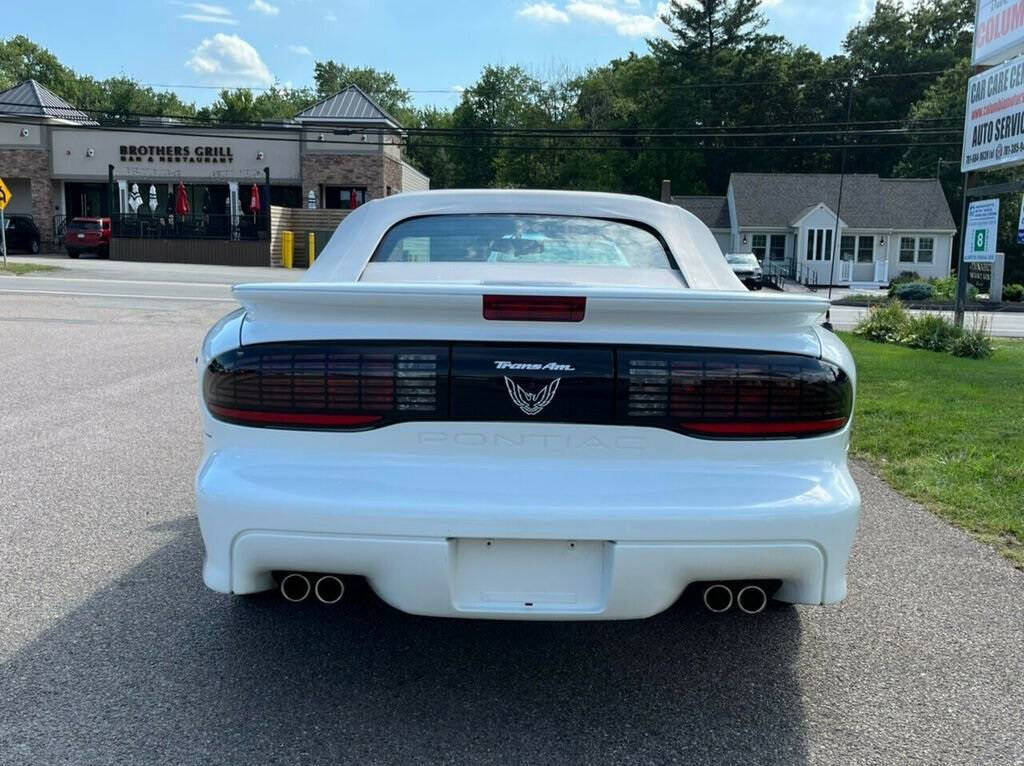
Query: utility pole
x,y
961,270
836,248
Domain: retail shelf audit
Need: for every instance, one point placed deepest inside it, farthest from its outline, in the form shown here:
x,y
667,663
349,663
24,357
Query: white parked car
x,y
526,405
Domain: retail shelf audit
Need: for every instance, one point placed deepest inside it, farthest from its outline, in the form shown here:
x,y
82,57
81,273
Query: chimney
x,y
666,190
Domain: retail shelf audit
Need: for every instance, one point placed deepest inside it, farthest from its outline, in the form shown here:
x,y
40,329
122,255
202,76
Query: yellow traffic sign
x,y
5,195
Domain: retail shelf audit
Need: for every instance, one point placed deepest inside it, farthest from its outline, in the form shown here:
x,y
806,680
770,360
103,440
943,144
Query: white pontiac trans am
x,y
528,405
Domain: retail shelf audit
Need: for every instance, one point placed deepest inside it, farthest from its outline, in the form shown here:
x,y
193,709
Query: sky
x,y
435,47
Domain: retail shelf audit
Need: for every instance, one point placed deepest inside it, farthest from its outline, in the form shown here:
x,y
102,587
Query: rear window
x,y
534,239
742,260
84,226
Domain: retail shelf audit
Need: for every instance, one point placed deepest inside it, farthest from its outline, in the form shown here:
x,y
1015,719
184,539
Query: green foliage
x,y
930,331
975,343
948,432
381,86
1014,292
912,291
905,276
886,323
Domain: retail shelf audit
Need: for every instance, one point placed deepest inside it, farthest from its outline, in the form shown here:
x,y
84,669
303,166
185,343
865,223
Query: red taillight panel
x,y
706,393
534,308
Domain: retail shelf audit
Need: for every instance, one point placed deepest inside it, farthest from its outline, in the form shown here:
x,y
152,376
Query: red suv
x,y
87,235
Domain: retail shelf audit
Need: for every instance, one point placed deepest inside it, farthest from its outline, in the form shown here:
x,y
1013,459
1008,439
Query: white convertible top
x,y
692,244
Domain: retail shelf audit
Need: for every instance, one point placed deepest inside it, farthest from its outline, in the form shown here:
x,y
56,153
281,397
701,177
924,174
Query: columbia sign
x,y
994,123
999,31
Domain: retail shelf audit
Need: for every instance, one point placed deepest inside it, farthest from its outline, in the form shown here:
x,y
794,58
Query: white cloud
x,y
626,24
262,6
544,13
210,10
231,60
301,50
204,19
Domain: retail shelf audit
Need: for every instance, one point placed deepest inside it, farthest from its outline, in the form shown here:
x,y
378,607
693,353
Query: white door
x,y
881,271
845,271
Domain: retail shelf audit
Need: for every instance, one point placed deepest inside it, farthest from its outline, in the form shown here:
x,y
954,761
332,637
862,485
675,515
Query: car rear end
x,y
527,451
87,235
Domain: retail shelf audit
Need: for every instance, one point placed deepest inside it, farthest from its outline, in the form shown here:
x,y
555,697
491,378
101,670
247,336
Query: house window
x,y
925,249
865,249
907,249
759,246
847,245
819,244
777,251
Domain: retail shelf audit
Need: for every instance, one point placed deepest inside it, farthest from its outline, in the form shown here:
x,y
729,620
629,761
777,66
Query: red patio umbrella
x,y
353,203
254,201
181,201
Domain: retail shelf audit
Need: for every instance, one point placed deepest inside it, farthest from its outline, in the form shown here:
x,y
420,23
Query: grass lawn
x,y
18,269
948,432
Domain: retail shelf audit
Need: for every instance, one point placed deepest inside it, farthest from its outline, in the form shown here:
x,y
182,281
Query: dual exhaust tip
x,y
296,587
750,599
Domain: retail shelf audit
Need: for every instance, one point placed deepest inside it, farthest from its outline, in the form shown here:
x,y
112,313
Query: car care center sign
x,y
994,125
998,31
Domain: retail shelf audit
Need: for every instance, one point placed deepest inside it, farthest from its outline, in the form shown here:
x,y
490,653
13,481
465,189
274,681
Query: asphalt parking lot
x,y
113,652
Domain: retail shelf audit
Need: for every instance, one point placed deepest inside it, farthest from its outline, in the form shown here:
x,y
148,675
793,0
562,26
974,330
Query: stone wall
x,y
33,164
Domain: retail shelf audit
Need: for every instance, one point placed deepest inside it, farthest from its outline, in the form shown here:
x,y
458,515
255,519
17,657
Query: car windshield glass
x,y
742,260
536,239
84,226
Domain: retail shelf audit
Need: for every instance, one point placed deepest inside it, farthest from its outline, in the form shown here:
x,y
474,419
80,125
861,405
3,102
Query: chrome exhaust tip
x,y
718,598
752,599
295,587
329,589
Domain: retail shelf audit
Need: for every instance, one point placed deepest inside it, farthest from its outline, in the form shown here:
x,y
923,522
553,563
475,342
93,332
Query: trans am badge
x,y
532,404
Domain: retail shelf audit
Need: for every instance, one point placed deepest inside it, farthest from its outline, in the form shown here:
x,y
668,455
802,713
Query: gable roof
x,y
712,211
869,202
30,99
351,104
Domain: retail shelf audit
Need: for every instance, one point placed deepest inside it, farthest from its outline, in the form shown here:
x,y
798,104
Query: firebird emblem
x,y
532,404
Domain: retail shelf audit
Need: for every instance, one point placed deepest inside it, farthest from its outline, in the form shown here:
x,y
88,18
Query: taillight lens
x,y
534,308
322,385
733,394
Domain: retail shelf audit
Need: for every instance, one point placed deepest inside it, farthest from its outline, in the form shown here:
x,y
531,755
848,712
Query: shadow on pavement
x,y
154,668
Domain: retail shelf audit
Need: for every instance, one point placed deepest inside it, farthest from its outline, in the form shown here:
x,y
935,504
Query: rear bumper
x,y
656,513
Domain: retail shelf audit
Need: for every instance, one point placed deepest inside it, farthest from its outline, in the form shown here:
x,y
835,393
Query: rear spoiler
x,y
672,317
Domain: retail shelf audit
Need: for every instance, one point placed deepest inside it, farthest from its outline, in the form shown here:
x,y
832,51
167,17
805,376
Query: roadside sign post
x,y
5,197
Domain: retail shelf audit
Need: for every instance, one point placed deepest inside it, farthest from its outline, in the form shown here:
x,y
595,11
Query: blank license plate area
x,y
529,575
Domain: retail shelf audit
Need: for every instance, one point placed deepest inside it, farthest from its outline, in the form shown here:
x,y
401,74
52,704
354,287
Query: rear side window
x,y
533,239
84,226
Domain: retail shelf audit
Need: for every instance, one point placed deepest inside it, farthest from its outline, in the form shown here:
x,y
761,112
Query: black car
x,y
21,234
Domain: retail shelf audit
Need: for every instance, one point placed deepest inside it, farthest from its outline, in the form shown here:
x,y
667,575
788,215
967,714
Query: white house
x,y
886,226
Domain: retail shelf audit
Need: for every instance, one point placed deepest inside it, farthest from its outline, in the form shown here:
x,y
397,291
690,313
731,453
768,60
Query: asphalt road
x,y
112,651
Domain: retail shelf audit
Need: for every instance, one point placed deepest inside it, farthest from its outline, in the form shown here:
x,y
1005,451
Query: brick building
x,y
343,151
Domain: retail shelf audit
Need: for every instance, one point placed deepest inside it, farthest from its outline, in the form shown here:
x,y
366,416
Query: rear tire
x,y
72,254
33,247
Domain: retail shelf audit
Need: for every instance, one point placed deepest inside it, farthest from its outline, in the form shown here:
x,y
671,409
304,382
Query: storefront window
x,y
343,197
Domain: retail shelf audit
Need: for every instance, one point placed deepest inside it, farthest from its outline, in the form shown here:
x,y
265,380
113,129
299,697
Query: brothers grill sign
x,y
176,154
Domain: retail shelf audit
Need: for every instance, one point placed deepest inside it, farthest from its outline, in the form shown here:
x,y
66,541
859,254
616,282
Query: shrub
x,y
944,288
1013,293
975,343
930,331
886,323
912,291
905,276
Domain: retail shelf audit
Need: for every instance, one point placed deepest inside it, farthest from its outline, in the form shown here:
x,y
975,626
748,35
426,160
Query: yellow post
x,y
311,246
287,248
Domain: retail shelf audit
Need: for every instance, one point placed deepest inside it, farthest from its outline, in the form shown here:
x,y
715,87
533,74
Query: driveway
x,y
112,651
